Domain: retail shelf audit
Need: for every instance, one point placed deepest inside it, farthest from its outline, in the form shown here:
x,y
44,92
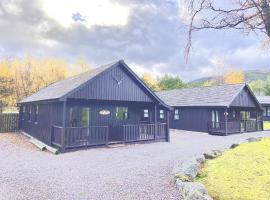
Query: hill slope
x,y
250,75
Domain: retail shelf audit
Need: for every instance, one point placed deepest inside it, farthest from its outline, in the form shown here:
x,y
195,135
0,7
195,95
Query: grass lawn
x,y
242,173
266,125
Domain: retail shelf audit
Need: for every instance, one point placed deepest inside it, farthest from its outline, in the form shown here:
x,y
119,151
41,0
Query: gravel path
x,y
130,172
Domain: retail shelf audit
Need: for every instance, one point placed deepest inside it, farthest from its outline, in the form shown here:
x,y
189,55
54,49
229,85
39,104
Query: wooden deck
x,y
233,127
77,137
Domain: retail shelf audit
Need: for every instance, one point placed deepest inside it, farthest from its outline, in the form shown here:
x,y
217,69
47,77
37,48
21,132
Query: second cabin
x,y
220,110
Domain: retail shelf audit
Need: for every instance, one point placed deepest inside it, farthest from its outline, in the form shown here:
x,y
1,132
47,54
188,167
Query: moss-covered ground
x,y
242,173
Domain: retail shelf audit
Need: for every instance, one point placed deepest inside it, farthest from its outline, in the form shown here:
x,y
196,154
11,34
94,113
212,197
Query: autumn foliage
x,y
20,78
234,77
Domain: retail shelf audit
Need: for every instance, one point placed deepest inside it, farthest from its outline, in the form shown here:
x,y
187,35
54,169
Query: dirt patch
x,y
17,139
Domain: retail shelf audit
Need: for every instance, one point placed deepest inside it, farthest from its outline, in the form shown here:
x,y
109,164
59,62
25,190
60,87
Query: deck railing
x,y
99,135
138,132
219,128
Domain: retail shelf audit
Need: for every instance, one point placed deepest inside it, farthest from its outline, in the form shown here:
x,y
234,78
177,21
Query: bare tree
x,y
245,15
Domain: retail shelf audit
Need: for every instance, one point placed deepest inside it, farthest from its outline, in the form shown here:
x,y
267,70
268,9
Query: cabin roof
x,y
264,99
64,87
61,88
212,96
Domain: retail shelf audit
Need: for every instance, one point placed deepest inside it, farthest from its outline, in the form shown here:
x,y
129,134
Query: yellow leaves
x,y
150,81
234,77
20,78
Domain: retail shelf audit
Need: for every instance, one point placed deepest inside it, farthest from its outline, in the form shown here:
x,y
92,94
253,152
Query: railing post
x,y
63,135
107,136
124,135
168,127
226,121
155,121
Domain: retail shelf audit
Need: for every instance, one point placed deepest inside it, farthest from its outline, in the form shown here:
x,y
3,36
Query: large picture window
x,y
176,114
121,112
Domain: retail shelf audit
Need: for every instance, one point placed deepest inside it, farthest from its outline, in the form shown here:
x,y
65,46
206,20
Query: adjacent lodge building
x,y
104,106
265,102
220,110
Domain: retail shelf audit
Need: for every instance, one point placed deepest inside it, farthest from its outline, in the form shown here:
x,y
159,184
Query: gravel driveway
x,y
130,172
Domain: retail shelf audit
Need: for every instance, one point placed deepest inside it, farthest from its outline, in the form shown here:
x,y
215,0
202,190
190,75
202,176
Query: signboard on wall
x,y
104,112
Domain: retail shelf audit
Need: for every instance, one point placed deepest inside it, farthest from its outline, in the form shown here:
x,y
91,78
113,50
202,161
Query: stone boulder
x,y
234,146
254,139
213,154
193,191
186,170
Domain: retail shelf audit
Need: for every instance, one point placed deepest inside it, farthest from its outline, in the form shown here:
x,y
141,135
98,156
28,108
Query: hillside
x,y
250,75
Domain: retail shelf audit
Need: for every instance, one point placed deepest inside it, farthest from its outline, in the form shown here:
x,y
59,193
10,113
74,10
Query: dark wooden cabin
x,y
221,110
104,106
265,103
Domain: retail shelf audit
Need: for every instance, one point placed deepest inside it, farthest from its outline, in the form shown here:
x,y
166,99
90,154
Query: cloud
x,y
149,35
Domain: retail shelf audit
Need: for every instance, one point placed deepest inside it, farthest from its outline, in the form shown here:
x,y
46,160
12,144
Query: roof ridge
x,y
200,87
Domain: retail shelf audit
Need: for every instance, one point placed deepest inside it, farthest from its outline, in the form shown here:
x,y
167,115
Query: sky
x,y
150,35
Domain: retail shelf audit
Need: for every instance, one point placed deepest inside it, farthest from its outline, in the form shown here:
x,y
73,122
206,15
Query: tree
x,y
257,87
168,82
150,81
266,87
234,77
245,15
6,89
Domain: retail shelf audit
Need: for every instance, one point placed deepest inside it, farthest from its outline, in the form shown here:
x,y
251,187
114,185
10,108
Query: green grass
x,y
242,173
266,125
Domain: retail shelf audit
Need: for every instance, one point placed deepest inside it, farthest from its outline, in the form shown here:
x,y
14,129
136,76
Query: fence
x,y
9,122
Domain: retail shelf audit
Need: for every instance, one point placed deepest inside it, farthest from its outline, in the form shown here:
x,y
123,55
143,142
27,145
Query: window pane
x,y
268,111
217,116
176,114
161,114
85,112
146,113
213,115
36,113
264,111
121,112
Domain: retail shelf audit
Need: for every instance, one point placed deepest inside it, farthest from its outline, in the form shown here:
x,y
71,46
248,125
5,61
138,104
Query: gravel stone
x,y
140,171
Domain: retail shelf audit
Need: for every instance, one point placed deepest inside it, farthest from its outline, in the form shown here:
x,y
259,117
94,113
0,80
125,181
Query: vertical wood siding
x,y
105,87
244,99
193,118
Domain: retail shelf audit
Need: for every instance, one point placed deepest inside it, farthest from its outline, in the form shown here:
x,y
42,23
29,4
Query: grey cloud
x,y
153,38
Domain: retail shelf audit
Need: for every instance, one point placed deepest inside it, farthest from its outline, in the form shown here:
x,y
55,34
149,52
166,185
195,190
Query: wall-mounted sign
x,y
104,112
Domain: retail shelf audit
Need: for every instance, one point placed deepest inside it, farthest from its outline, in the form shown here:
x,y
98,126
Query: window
x,y
145,113
29,113
264,111
268,111
161,114
85,116
233,113
23,112
121,112
215,118
36,114
176,114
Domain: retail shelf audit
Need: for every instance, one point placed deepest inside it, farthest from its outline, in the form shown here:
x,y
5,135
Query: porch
x,y
235,120
232,127
78,137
